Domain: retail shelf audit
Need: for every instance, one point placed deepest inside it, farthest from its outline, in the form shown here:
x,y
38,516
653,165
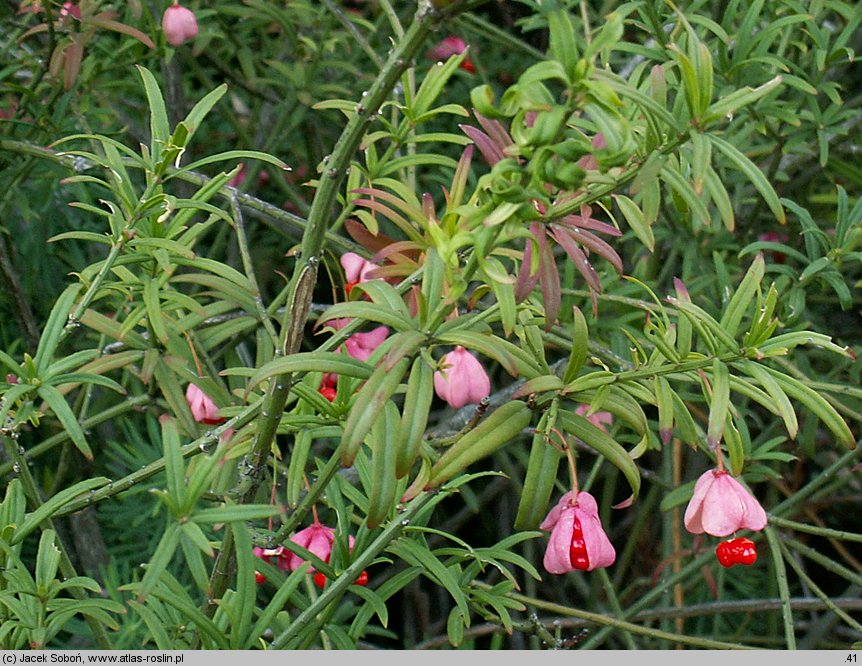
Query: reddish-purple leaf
x,y
459,180
116,26
495,130
398,252
382,209
526,280
72,64
372,242
490,151
681,290
586,221
412,211
593,243
583,264
399,270
550,281
428,206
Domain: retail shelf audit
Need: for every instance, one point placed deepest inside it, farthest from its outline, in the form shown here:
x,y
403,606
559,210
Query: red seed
x,y
319,580
747,551
259,577
362,579
726,553
327,392
578,548
736,551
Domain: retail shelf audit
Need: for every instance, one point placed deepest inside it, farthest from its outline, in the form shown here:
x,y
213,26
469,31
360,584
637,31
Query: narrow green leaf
x,y
502,426
729,104
664,402
562,45
173,595
384,450
702,59
47,559
385,295
719,403
229,513
543,384
781,344
243,602
155,624
580,345
636,220
276,605
368,407
607,37
203,107
160,560
605,445
317,361
455,626
375,601
54,327
817,404
55,400
735,446
718,193
175,470
539,481
689,78
160,128
753,173
297,466
701,157
229,156
368,312
192,555
708,328
504,292
743,297
682,187
169,384
417,406
418,555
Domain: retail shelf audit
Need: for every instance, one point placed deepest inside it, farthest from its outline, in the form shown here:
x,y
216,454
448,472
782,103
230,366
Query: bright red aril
x,y
747,551
578,548
327,392
726,554
736,551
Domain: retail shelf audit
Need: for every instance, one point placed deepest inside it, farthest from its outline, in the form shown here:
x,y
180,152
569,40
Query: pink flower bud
x,y
70,9
316,538
462,380
721,505
361,345
599,419
448,47
577,538
356,268
203,408
179,24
